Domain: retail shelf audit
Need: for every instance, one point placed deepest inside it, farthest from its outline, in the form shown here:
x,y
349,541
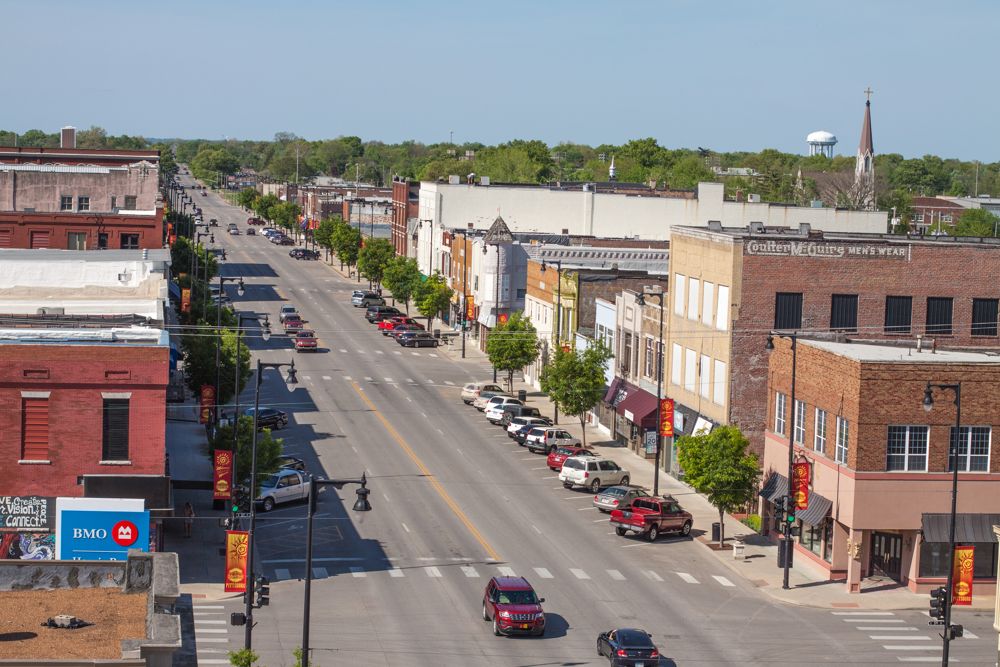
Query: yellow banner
x,y
961,593
237,542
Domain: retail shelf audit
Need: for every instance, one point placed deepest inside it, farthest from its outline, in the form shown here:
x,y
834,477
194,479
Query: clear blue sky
x,y
723,75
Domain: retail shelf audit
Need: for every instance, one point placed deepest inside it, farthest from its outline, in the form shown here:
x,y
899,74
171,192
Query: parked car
x,y
593,472
628,647
401,329
544,440
512,410
255,221
615,497
286,311
387,325
560,454
305,341
276,239
376,314
511,603
650,517
251,231
284,240
417,339
367,299
303,253
470,391
294,324
498,399
521,434
282,487
517,422
204,194
485,396
269,418
291,462
494,411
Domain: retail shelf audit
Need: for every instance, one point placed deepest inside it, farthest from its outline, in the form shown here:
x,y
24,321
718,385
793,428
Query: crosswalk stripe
x,y
506,571
722,580
358,572
887,628
320,573
432,572
872,620
410,380
469,572
432,354
925,658
899,647
579,574
862,613
213,662
348,378
430,381
343,350
395,572
397,352
208,606
369,379
543,573
969,635
281,574
909,638
199,621
388,379
213,640
652,575
686,577
416,354
616,575
214,630
361,351
327,377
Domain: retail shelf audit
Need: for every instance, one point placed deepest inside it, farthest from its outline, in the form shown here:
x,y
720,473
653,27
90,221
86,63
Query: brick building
x,y
731,286
934,213
81,231
405,211
880,492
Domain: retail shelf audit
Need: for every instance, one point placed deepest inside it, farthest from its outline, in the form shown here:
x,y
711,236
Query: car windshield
x,y
565,452
517,597
634,639
617,491
575,464
271,481
536,431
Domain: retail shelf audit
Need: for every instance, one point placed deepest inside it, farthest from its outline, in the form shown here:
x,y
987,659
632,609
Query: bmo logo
x,y
90,534
101,529
125,533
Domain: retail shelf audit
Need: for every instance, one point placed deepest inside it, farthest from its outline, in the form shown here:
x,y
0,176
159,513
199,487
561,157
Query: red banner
x,y
207,403
222,482
470,309
963,569
667,417
502,318
237,542
800,484
186,300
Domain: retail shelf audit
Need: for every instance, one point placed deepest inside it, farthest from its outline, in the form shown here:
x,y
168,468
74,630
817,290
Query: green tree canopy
x,y
574,380
373,258
432,296
346,243
402,278
977,222
269,449
512,345
718,465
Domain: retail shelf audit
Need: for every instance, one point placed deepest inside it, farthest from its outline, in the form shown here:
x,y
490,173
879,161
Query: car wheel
x,y
624,481
540,633
620,532
653,533
595,486
568,486
686,529
268,504
486,616
496,628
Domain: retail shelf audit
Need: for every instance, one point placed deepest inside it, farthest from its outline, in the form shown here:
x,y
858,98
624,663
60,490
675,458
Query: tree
x,y
247,197
346,243
717,465
432,296
688,172
512,345
574,380
286,215
977,222
402,278
199,358
269,449
324,234
373,259
264,206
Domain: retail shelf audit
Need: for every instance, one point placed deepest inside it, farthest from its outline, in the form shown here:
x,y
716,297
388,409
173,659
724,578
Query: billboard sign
x,y
100,528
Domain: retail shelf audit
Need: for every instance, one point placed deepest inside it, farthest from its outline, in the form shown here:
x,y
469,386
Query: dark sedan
x,y
417,339
628,647
302,253
269,418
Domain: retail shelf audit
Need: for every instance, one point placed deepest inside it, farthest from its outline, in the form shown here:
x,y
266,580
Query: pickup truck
x,y
650,517
283,486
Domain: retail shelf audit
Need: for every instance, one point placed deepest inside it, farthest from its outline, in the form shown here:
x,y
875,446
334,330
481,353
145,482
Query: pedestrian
x,y
188,518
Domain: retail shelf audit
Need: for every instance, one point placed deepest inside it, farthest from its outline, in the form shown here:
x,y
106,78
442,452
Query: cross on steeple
x,y
868,93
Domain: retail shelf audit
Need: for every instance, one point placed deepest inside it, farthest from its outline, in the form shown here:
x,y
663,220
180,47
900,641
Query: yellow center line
x,y
427,473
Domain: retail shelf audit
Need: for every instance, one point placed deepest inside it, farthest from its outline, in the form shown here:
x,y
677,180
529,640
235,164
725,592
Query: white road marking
x,y
215,630
213,640
327,377
369,379
430,381
320,573
347,377
686,577
722,580
405,527
586,497
652,575
431,354
537,529
433,572
281,574
579,574
506,571
201,621
969,635
208,606
416,354
908,638
616,575
469,572
343,350
397,352
882,628
388,379
410,380
925,658
395,572
893,647
585,509
213,662
862,613
306,377
361,351
358,572
872,620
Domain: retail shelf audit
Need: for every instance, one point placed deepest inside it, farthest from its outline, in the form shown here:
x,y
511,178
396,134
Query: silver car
x,y
615,497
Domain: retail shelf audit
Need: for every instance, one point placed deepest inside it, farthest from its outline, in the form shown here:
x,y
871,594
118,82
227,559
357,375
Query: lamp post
x,y
953,456
360,505
558,336
641,300
265,334
241,290
248,595
786,529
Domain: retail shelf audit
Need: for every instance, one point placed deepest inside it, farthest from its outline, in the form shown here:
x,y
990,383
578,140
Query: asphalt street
x,y
456,502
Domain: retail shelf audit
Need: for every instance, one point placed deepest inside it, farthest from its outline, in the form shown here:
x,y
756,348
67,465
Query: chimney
x,y
67,137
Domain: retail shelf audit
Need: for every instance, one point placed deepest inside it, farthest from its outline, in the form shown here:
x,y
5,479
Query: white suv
x,y
592,472
494,409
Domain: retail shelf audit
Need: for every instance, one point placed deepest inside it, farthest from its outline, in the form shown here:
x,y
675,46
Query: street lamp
x,y
241,290
641,300
465,290
360,505
558,336
786,529
928,405
265,334
248,594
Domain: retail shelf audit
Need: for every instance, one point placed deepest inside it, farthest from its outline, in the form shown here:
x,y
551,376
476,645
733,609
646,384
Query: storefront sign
x,y
207,403
961,593
502,318
650,440
25,513
222,483
826,249
667,417
103,532
800,484
236,561
186,300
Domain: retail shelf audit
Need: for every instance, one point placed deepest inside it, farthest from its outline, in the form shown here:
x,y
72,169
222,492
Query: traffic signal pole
x,y
787,530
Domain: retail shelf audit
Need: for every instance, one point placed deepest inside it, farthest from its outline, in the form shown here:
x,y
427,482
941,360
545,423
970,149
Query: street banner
x,y
502,318
800,484
470,309
222,481
207,403
186,300
961,590
237,542
667,417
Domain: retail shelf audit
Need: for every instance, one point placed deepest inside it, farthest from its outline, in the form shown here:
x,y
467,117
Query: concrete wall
x,y
41,190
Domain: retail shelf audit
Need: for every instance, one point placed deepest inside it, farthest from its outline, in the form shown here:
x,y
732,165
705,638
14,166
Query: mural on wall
x,y
28,546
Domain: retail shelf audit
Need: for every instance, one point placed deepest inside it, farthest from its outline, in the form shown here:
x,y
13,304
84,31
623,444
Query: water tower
x,y
821,142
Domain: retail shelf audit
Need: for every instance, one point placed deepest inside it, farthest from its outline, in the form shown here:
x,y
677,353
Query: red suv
x,y
511,603
560,454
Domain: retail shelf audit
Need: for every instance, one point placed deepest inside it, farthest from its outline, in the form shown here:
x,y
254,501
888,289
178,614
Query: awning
x,y
968,527
612,390
637,406
819,508
775,487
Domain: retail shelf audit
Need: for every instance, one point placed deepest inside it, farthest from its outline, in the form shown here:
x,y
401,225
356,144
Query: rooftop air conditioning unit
x,y
453,179
753,199
51,310
484,180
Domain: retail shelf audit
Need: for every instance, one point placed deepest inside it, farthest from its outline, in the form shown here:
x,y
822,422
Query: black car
x,y
302,253
269,418
418,339
378,313
627,647
286,241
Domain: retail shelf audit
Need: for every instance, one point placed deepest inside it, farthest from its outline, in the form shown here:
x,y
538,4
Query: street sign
x,y
242,515
935,622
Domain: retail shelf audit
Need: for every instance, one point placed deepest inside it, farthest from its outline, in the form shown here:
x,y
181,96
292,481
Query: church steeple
x,y
864,168
612,172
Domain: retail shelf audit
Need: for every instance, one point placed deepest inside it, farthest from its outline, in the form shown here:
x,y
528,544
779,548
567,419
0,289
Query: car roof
x,y
633,637
287,307
513,583
306,332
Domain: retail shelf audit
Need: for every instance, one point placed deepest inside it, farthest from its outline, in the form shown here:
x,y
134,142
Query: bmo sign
x,y
100,528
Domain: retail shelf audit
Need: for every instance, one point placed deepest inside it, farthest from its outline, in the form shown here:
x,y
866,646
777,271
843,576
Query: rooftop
x,y
805,232
650,260
50,255
908,355
86,336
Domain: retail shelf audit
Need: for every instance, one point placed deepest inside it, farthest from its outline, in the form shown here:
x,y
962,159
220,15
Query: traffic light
x,y
939,602
956,632
237,618
240,500
263,590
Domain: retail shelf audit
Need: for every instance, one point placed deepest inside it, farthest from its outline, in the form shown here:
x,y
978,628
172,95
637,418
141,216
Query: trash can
x,y
522,395
738,549
716,531
437,333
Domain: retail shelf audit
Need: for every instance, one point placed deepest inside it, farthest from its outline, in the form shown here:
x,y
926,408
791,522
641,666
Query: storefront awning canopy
x,y
968,527
819,507
639,404
612,390
775,487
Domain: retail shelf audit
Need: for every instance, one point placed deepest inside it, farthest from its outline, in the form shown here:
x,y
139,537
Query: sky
x,y
724,75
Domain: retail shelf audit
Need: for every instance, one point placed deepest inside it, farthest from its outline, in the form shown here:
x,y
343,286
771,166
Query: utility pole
x,y
296,164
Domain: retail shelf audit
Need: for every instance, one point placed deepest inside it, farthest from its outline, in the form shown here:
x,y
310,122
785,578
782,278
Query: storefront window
x,y
811,537
934,559
828,541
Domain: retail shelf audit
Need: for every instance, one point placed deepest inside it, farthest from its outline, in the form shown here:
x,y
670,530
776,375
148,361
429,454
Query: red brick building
x,y
405,207
81,231
880,493
933,213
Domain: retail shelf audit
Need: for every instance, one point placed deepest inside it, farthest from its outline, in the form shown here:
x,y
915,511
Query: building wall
x,y
75,156
41,191
17,229
76,375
